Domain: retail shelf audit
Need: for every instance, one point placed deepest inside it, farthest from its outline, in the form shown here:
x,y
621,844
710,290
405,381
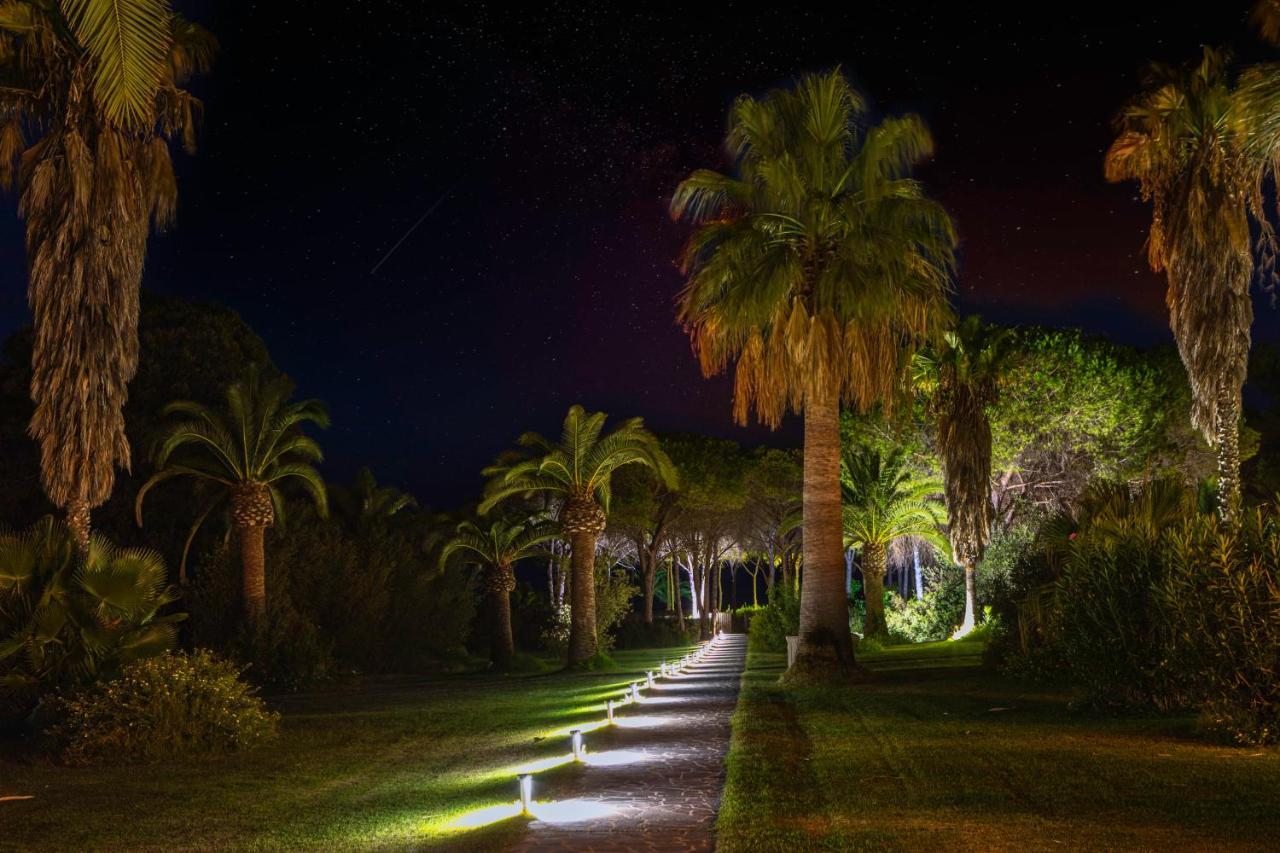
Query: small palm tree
x,y
365,502
580,469
1200,142
883,501
962,379
498,549
818,267
92,96
248,450
64,618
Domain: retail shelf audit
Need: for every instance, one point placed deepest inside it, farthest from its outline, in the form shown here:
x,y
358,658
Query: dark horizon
x,y
536,150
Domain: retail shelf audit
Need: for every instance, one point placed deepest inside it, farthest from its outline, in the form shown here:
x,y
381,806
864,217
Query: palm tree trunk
x,y
582,597
253,565
874,560
826,646
502,648
78,524
1228,450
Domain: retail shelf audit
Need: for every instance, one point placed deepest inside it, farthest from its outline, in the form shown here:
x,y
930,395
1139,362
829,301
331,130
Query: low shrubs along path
x,y
941,754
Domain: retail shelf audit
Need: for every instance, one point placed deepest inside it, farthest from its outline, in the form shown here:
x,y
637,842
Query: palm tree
x,y
365,502
962,379
580,469
818,266
91,97
247,450
65,617
1200,146
498,549
883,501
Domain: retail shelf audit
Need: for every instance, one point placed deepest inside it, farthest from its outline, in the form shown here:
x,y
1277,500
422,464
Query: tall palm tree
x,y
498,549
247,450
962,379
580,469
883,500
91,97
817,266
1199,142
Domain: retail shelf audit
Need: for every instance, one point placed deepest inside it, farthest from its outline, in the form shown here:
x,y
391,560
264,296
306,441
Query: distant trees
x,y
579,468
246,450
91,100
812,268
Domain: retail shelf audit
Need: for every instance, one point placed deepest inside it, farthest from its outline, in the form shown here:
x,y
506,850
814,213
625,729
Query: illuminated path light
x,y
653,779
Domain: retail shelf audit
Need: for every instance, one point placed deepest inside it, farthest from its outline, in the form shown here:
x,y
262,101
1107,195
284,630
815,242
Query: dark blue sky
x,y
550,138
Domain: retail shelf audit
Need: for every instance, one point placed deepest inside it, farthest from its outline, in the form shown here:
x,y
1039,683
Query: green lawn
x,y
941,754
390,765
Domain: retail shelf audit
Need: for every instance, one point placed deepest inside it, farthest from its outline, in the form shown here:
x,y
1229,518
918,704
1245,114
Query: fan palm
x,y
1199,143
962,379
818,266
883,501
498,549
91,97
248,450
64,618
580,469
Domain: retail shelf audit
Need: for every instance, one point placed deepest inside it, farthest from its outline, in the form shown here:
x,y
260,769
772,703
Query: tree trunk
x,y
826,646
582,597
970,601
919,577
648,571
251,514
677,596
501,580
78,524
701,591
874,560
253,566
1228,450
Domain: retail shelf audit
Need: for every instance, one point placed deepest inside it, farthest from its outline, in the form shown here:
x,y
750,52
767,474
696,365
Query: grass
x,y
940,753
390,765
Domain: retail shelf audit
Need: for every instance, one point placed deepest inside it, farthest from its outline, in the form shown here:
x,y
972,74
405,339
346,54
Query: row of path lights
x,y
630,695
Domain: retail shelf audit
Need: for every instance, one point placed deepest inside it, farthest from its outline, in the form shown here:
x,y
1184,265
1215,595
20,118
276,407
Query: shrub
x,y
779,619
172,706
633,633
614,592
1223,597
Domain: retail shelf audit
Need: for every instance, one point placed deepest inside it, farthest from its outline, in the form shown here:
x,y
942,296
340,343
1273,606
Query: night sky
x,y
537,150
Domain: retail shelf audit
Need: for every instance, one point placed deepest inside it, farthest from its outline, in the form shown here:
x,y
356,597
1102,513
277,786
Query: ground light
x,y
635,692
526,793
609,710
649,676
579,748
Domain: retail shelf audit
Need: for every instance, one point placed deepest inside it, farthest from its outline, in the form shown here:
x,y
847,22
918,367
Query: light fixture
x,y
579,748
526,792
609,710
635,691
649,684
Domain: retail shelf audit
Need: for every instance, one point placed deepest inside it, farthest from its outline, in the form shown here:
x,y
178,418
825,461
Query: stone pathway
x,y
653,781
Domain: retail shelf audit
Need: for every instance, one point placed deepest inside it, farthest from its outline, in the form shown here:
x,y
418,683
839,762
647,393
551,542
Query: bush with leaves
x,y
65,622
615,591
171,706
776,621
1222,597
